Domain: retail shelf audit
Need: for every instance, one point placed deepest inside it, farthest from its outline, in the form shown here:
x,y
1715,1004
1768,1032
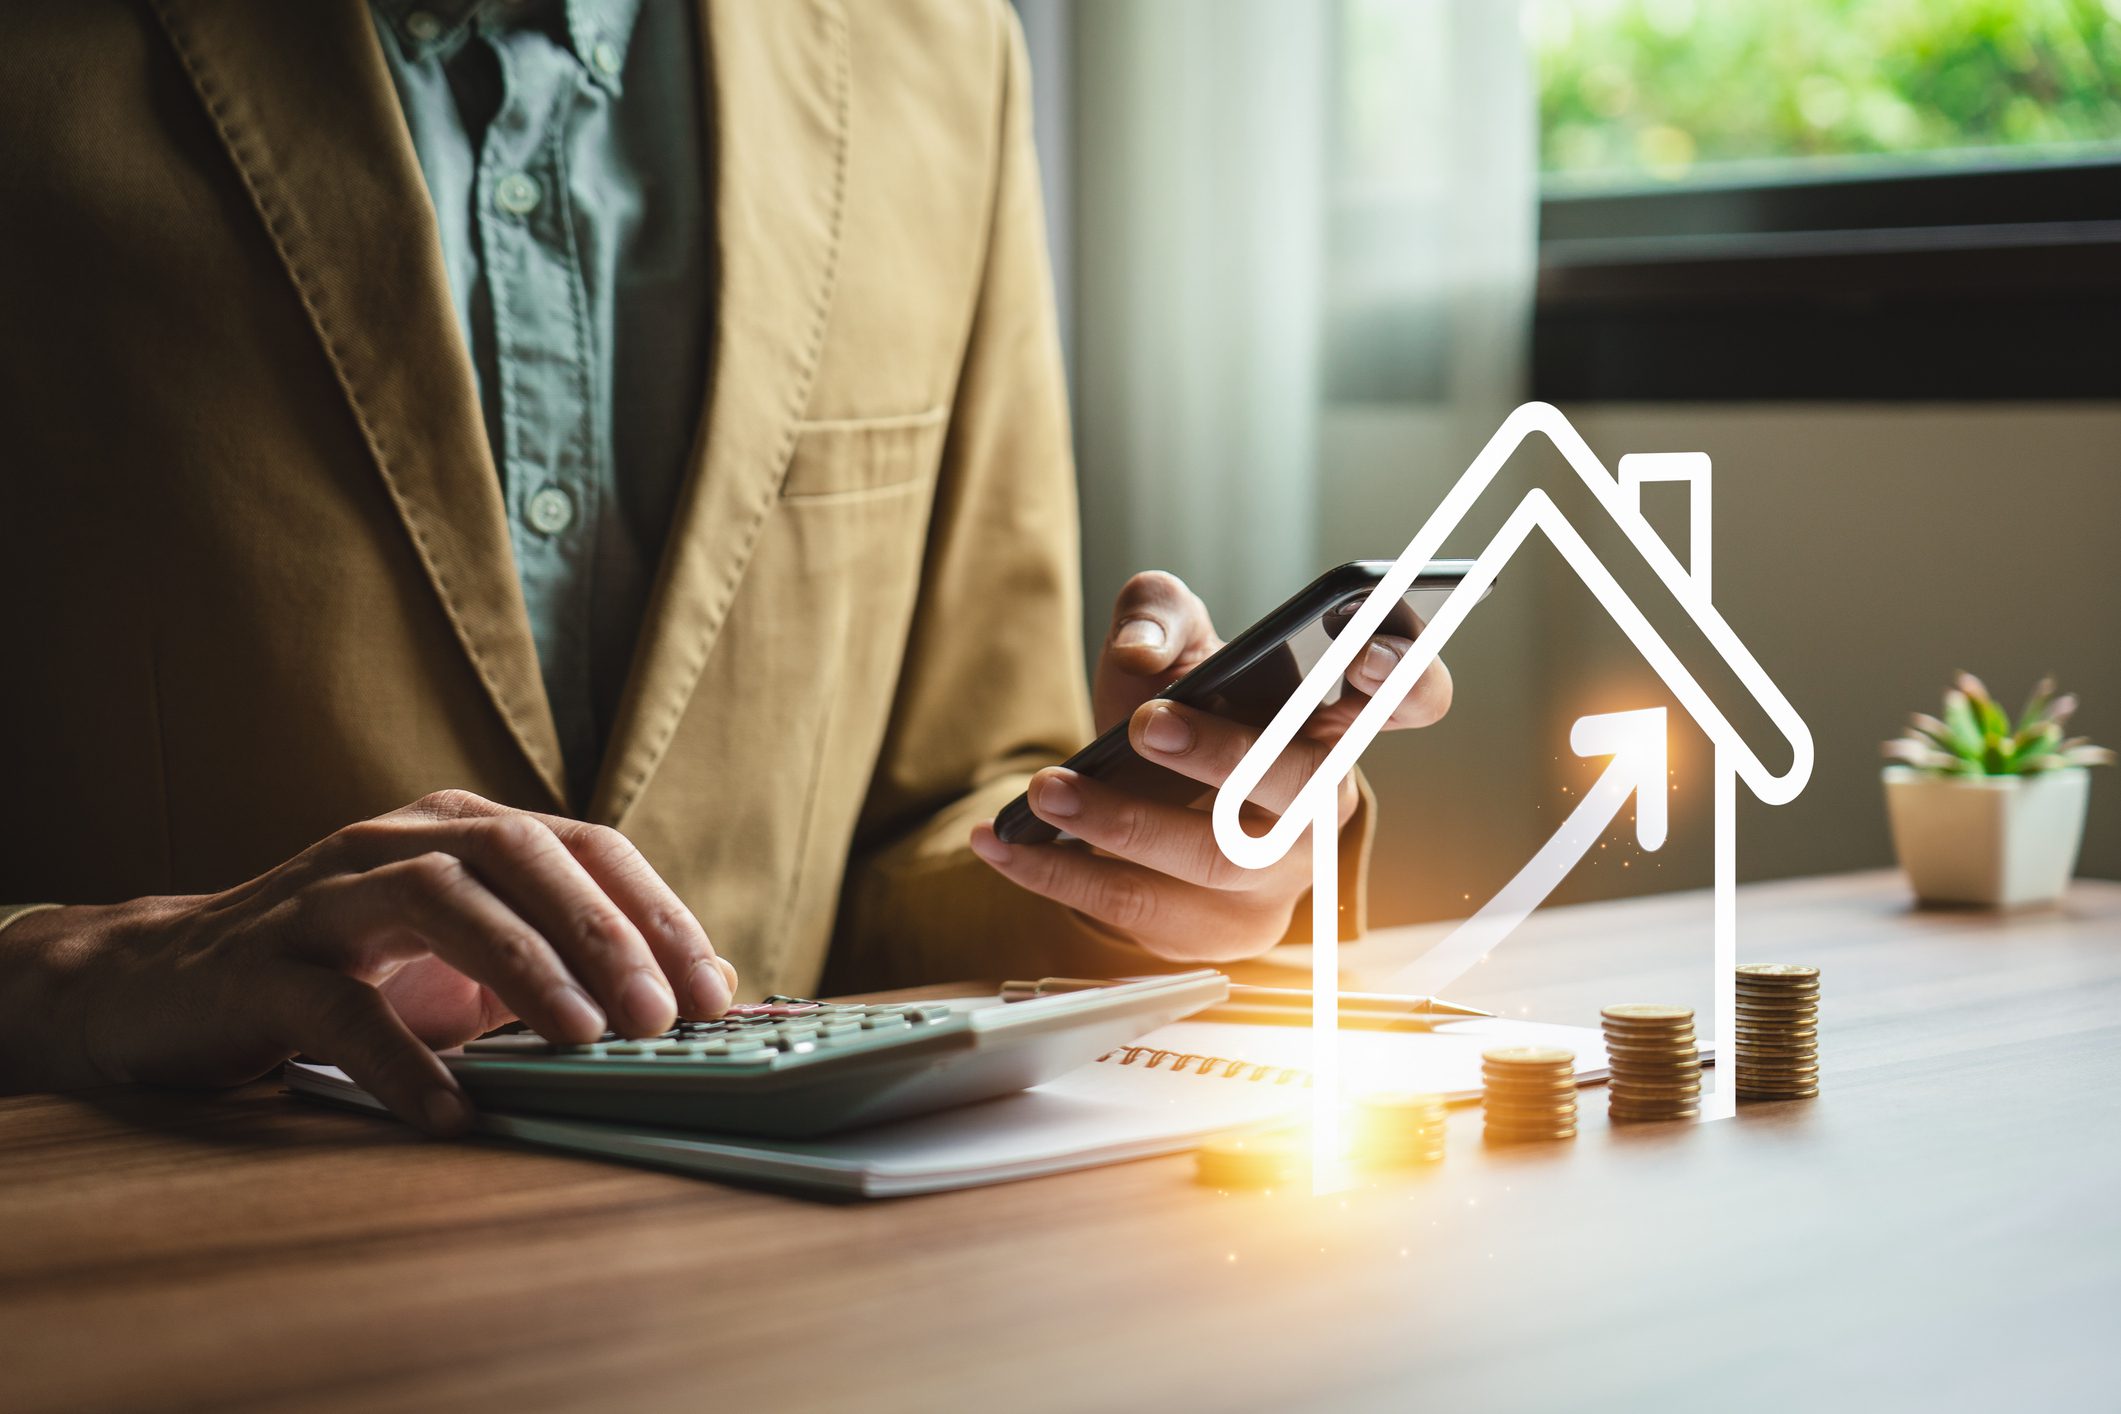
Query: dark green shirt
x,y
565,146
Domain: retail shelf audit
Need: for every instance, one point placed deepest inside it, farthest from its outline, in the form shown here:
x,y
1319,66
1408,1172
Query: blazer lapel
x,y
780,85
302,101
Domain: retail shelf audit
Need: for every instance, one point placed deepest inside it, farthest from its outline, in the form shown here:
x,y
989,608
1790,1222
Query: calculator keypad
x,y
742,1036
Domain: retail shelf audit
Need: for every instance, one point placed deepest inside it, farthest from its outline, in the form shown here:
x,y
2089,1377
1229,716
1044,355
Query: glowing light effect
x,y
1313,806
1329,1161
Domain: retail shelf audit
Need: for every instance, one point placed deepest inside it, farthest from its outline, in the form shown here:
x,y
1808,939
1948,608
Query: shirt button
x,y
423,27
517,193
550,511
606,57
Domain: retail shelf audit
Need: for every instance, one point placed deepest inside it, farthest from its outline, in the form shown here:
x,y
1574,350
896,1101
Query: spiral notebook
x,y
1164,1094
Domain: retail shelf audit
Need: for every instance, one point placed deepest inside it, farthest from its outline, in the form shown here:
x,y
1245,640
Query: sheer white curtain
x,y
1296,249
1298,245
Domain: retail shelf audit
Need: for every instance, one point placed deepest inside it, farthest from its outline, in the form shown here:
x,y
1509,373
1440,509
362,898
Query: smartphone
x,y
1249,678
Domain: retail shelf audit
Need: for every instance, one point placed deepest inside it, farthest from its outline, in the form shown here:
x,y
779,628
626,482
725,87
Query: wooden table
x,y
1941,1229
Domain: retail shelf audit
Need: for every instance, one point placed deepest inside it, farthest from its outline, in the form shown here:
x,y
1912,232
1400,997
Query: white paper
x,y
1105,1112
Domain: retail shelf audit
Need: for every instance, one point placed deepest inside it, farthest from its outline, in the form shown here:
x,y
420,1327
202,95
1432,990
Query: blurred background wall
x,y
1309,254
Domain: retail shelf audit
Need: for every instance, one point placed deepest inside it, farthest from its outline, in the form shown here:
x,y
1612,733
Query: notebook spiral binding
x,y
1222,1067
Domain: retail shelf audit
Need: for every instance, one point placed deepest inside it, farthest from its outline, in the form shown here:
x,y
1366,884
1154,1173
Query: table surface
x,y
1940,1229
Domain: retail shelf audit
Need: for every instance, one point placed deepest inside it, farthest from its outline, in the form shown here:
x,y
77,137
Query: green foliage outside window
x,y
1658,90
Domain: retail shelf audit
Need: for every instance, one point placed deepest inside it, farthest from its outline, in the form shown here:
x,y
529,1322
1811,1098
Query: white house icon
x,y
1734,758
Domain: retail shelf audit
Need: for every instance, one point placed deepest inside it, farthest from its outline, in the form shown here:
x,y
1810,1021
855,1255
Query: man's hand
x,y
1155,873
420,928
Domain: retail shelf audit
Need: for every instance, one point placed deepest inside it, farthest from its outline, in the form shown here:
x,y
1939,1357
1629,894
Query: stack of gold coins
x,y
1529,1093
1280,1159
1397,1131
1654,1062
1778,1031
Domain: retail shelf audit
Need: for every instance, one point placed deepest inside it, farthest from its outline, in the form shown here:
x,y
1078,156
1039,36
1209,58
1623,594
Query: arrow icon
x,y
1636,743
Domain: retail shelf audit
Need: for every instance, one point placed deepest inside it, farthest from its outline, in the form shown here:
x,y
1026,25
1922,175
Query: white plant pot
x,y
2003,841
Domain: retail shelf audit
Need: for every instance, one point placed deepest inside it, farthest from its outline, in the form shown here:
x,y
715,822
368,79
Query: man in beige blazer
x,y
273,722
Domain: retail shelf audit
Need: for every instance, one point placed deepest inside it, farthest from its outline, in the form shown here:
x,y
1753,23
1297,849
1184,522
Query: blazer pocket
x,y
856,458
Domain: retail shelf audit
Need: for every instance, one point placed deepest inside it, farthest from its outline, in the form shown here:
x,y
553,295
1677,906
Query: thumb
x,y
1157,623
349,1023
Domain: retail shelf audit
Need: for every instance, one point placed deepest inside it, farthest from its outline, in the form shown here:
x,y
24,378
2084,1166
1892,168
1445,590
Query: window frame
x,y
1993,281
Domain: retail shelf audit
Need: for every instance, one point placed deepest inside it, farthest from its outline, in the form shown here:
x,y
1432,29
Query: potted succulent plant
x,y
1987,811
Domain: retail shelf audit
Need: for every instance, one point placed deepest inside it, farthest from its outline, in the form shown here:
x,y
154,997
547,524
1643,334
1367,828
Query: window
x,y
1828,198
1635,92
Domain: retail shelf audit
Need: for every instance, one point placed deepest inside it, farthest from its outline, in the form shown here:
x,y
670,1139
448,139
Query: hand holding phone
x,y
1177,709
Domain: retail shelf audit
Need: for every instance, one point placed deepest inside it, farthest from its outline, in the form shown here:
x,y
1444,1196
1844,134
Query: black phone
x,y
1249,678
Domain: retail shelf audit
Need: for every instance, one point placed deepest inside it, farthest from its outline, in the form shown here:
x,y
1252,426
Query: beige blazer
x,y
256,577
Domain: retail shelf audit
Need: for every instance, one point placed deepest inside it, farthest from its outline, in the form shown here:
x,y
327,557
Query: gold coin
x,y
1535,1056
1254,1161
1783,971
1681,1041
1647,1011
1644,1084
1653,1055
1502,1136
1667,1081
1655,1085
1528,1101
1810,1094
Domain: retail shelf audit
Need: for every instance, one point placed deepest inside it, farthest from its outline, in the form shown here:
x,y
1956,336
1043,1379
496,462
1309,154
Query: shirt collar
x,y
596,32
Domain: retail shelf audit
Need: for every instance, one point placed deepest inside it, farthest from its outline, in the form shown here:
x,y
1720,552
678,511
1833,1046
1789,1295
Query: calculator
x,y
792,1068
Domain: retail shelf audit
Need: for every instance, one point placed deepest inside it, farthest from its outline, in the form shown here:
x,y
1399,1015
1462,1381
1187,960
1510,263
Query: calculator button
x,y
679,1048
595,1049
932,1013
756,1055
629,1048
882,1023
